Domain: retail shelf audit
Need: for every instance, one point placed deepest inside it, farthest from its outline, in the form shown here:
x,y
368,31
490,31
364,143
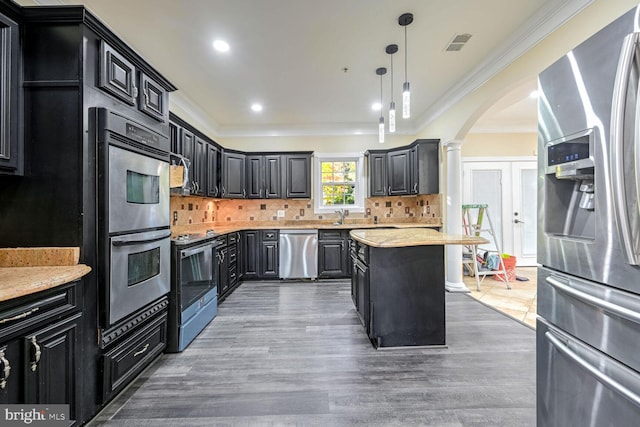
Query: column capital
x,y
453,144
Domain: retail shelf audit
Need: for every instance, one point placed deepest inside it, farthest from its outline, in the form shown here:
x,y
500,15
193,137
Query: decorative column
x,y
453,219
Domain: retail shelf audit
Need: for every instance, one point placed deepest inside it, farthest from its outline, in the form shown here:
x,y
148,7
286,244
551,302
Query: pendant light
x,y
404,20
391,49
381,72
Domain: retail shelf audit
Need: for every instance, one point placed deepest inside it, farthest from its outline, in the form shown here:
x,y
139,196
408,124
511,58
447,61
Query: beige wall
x,y
499,145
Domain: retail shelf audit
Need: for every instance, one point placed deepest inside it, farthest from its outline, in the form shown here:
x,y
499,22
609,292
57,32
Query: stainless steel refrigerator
x,y
588,329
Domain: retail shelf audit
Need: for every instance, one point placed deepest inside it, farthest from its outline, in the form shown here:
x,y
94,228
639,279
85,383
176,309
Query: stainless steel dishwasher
x,y
298,254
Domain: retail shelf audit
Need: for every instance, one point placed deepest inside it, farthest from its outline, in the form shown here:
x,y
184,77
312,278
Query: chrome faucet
x,y
341,217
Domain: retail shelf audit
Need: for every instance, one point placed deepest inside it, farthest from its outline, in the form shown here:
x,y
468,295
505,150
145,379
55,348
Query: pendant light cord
x,y
406,49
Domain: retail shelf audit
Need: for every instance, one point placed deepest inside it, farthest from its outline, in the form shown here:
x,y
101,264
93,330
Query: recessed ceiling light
x,y
534,94
256,107
376,106
221,45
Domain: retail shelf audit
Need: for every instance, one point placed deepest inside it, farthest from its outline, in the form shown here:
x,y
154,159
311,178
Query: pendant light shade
x,y
381,72
404,20
391,49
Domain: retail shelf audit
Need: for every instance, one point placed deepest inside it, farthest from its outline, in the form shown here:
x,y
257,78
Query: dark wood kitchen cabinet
x,y
120,77
297,171
199,166
11,142
264,176
213,170
40,348
260,258
233,175
63,51
333,254
405,171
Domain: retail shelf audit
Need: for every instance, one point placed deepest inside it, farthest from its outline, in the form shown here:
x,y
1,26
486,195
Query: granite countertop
x,y
25,271
304,225
401,237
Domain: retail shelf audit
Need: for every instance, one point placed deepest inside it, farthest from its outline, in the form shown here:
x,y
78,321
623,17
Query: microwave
x,y
179,174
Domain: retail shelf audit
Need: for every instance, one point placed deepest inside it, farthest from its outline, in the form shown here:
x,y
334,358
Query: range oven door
x,y
196,274
140,271
138,191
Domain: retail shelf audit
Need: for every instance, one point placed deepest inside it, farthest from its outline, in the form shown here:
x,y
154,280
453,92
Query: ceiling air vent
x,y
458,41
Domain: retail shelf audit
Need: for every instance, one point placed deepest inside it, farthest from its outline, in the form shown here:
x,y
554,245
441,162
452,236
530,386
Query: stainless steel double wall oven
x,y
134,192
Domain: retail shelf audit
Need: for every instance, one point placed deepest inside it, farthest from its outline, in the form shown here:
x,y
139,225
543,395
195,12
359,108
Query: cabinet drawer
x,y
269,235
19,314
233,254
232,238
331,234
129,358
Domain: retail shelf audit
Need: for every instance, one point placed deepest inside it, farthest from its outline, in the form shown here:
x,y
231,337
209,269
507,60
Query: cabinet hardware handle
x,y
135,91
244,193
224,191
415,187
5,371
36,354
215,191
389,193
142,350
19,316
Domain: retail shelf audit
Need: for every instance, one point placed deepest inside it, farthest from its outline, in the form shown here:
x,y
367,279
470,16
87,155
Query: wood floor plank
x,y
294,353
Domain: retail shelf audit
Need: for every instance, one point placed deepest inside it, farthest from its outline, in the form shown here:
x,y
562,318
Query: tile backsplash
x,y
192,214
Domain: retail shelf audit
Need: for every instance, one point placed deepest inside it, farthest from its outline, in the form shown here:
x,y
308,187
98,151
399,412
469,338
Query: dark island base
x,y
399,294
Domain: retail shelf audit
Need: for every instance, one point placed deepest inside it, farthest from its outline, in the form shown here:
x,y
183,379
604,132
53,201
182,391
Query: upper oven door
x,y
138,191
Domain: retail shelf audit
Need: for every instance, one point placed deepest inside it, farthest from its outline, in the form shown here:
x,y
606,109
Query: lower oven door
x,y
140,271
578,385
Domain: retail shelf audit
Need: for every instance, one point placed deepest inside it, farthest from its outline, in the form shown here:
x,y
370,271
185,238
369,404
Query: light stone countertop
x,y
25,271
402,237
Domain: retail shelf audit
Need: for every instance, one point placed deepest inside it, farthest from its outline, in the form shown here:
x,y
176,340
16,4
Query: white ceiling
x,y
291,55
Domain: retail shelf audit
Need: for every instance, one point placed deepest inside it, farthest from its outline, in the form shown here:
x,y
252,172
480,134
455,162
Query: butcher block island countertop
x,y
403,237
25,271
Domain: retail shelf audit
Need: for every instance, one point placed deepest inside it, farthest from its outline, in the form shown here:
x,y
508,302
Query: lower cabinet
x,y
39,348
128,358
333,254
260,254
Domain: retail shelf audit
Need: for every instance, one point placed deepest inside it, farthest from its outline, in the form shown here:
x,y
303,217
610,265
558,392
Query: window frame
x,y
360,184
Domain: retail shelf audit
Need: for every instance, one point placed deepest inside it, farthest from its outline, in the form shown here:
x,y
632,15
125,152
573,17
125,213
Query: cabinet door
x,y
233,185
153,98
212,172
399,173
117,75
377,174
199,165
426,172
331,259
222,261
12,371
11,153
298,176
174,138
269,260
53,364
273,177
255,177
251,254
187,141
362,285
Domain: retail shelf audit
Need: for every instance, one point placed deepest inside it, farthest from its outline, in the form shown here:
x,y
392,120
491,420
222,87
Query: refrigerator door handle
x,y
603,378
623,74
607,306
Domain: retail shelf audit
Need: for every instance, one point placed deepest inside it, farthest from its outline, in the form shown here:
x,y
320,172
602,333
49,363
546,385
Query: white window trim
x,y
360,188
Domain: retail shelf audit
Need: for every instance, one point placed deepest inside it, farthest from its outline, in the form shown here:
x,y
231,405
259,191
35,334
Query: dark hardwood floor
x,y
294,353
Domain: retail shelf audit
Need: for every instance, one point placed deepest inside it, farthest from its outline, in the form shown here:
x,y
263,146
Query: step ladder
x,y
470,252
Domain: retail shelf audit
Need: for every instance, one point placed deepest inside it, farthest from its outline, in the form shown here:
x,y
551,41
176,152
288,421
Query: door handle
x,y
517,221
36,354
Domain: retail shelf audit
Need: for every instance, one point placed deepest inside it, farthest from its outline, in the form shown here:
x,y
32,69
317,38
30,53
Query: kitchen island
x,y
398,282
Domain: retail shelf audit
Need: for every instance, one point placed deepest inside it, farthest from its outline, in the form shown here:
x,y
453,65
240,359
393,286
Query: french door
x,y
509,188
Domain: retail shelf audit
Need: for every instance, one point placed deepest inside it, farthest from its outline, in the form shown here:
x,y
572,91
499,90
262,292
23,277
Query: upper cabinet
x,y
233,175
264,176
122,79
405,171
297,172
11,149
